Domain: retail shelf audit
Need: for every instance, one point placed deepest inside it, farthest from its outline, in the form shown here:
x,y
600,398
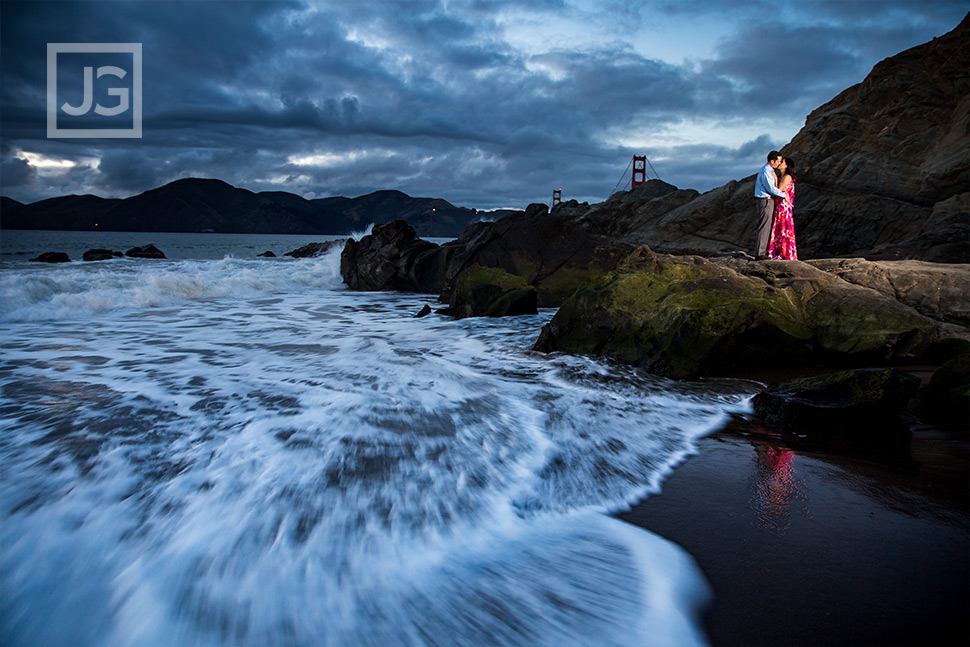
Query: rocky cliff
x,y
882,173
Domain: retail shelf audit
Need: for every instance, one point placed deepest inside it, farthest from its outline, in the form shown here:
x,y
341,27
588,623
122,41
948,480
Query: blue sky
x,y
485,104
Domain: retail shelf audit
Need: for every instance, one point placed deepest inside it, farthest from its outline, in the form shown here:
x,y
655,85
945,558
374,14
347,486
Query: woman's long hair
x,y
790,170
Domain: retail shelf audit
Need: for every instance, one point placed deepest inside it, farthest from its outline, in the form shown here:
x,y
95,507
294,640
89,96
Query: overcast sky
x,y
485,104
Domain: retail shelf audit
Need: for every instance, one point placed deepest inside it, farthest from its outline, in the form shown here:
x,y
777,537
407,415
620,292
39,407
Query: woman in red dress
x,y
781,245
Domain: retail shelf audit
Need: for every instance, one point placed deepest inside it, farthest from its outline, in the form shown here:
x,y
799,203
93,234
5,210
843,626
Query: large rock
x,y
101,255
145,251
882,173
940,291
51,257
653,213
491,292
856,403
312,250
686,316
545,250
681,319
392,257
851,323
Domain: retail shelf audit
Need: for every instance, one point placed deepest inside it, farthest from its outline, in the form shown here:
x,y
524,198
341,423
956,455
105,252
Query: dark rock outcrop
x,y
145,251
392,257
854,403
491,292
266,254
101,255
685,316
946,399
312,250
51,257
640,215
543,249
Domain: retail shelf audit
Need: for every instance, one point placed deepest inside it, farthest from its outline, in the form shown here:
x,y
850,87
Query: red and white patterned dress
x,y
781,245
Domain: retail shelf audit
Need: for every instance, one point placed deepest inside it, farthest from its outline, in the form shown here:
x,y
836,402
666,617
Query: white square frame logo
x,y
53,49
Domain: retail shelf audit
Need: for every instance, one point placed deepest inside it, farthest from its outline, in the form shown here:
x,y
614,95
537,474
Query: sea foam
x,y
253,455
77,291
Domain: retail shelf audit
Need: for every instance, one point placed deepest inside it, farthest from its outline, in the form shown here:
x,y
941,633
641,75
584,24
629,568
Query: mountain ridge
x,y
214,205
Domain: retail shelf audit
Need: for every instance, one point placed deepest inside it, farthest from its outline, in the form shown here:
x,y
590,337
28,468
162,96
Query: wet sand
x,y
805,545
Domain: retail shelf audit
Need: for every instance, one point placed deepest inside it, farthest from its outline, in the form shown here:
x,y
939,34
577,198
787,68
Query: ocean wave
x,y
322,468
77,291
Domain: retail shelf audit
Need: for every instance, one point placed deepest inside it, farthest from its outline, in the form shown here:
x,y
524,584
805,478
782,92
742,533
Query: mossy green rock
x,y
681,320
860,402
861,324
685,316
491,292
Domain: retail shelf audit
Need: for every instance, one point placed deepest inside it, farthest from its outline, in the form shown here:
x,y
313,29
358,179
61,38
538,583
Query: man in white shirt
x,y
766,188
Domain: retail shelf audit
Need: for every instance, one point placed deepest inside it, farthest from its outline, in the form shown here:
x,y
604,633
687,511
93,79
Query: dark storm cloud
x,y
695,160
802,66
16,172
434,99
126,171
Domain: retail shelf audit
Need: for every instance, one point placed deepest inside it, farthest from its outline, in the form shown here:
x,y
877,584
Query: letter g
x,y
121,93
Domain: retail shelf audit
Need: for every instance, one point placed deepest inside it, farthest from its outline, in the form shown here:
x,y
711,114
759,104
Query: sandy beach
x,y
805,545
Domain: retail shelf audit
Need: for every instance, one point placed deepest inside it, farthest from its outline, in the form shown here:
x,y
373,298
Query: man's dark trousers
x,y
766,209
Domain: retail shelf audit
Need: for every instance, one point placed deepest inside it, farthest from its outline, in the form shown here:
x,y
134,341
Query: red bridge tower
x,y
639,171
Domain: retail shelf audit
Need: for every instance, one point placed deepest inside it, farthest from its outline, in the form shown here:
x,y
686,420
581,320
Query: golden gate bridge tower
x,y
639,171
640,164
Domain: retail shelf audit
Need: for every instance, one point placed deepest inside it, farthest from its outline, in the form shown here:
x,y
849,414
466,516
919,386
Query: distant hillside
x,y
205,205
8,203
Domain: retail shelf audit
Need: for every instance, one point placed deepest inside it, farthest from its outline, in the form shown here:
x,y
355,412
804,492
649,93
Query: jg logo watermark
x,y
93,90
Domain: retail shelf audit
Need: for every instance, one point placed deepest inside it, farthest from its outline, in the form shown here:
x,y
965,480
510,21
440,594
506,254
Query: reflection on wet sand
x,y
774,485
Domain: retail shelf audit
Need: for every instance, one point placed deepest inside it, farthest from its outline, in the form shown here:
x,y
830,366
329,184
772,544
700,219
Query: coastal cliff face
x,y
887,162
882,173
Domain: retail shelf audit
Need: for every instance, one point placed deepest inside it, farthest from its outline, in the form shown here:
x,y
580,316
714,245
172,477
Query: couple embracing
x,y
774,189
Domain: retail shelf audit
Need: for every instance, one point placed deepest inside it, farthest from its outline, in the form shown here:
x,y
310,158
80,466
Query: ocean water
x,y
222,450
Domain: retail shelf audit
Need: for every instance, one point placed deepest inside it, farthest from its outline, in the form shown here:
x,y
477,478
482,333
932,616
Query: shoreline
x,y
809,547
